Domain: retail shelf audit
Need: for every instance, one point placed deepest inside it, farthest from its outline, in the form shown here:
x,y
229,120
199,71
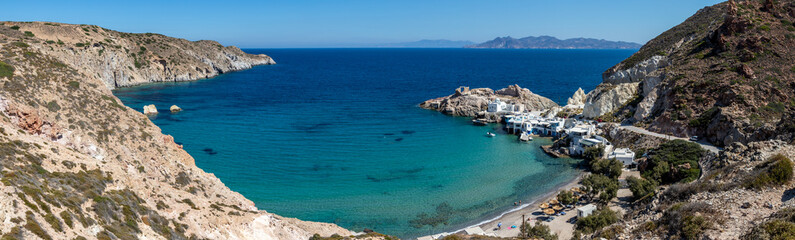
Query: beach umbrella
x,y
544,205
549,211
553,202
557,208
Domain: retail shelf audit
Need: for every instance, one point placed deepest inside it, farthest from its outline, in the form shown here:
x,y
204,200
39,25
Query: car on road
x,y
694,138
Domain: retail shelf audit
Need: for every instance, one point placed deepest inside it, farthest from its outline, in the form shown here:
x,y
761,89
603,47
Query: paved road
x,y
704,144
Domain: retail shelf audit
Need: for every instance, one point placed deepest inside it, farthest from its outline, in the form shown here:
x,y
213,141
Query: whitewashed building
x,y
625,155
586,210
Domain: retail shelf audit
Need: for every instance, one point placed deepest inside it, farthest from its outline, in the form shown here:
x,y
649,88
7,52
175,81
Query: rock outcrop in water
x,y
76,162
471,102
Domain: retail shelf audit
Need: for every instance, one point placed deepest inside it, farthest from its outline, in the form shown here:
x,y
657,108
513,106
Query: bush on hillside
x,y
6,70
775,172
537,231
781,225
601,186
673,161
608,167
641,188
597,220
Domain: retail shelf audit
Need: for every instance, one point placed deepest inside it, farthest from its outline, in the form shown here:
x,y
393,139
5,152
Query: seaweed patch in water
x,y
398,139
389,134
209,151
407,132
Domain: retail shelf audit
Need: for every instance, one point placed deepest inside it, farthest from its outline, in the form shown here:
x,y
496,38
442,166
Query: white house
x,y
497,106
625,155
586,210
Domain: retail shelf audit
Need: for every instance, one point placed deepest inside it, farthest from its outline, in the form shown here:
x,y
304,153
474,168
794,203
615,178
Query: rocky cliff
x,y
726,73
125,59
470,102
75,163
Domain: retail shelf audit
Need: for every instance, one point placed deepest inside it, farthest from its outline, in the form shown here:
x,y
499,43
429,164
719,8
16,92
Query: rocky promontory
x,y
472,102
125,59
75,163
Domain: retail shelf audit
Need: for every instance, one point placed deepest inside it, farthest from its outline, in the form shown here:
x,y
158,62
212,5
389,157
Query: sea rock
x,y
150,109
578,98
472,102
175,108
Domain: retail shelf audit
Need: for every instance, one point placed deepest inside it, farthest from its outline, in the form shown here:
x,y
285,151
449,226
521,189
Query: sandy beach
x,y
513,217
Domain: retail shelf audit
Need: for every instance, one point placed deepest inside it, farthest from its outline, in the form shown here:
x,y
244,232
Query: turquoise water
x,y
335,135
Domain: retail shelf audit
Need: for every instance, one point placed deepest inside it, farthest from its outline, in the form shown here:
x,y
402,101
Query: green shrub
x,y
67,218
53,106
601,186
6,70
641,188
597,220
28,34
34,227
80,44
21,44
669,162
775,172
537,231
608,167
780,226
566,198
53,221
15,27
73,84
593,153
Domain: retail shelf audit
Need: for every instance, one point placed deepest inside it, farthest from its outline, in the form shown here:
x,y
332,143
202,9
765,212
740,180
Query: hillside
x,y
726,74
77,164
547,42
124,59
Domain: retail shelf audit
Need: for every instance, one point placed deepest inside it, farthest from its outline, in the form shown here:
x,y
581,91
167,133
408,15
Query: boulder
x,y
175,108
150,109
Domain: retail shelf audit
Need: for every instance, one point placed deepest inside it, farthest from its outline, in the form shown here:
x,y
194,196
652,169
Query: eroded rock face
x,y
607,98
578,98
620,86
124,59
469,103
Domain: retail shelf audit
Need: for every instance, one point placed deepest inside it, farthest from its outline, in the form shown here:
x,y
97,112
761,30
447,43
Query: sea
x,y
336,135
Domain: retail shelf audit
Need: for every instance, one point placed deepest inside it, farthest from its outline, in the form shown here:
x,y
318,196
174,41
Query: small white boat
x,y
525,137
490,134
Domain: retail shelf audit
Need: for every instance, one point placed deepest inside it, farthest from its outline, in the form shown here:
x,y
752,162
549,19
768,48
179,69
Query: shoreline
x,y
513,216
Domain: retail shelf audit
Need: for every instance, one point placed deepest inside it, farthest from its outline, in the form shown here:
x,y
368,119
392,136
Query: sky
x,y
352,23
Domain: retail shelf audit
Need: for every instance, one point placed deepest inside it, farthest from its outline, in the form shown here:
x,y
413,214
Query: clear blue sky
x,y
328,23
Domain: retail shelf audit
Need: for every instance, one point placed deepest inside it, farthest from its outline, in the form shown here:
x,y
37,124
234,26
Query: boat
x,y
525,137
490,134
479,122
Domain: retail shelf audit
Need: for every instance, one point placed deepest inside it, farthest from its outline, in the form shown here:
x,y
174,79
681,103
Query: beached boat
x,y
490,134
525,137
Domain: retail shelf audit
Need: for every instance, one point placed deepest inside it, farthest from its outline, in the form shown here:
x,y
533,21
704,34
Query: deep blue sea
x,y
335,135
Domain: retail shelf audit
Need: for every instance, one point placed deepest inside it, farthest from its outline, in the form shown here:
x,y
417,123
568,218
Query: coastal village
x,y
572,135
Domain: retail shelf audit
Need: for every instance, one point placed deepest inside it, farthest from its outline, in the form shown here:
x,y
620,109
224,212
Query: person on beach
x,y
499,225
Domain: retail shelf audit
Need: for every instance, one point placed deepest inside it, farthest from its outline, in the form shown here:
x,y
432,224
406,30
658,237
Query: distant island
x,y
548,42
426,43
